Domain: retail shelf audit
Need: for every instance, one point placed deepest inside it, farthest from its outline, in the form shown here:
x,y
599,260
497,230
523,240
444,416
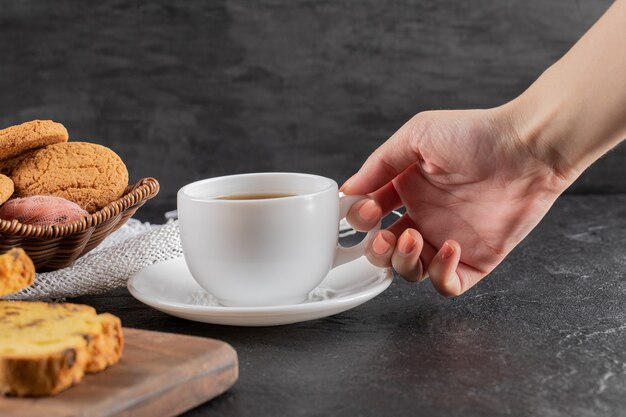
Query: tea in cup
x,y
263,239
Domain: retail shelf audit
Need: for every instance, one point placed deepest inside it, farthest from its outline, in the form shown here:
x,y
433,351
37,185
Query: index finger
x,y
384,164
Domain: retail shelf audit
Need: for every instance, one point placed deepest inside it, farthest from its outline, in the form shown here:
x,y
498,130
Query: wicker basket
x,y
55,247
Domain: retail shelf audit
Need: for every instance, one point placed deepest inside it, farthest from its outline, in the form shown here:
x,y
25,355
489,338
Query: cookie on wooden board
x,y
90,175
17,271
35,134
45,348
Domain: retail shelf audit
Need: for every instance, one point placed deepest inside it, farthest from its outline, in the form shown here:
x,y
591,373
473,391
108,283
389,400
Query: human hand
x,y
475,182
472,189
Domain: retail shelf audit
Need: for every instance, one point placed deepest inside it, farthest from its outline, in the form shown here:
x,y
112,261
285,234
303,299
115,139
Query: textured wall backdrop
x,y
191,89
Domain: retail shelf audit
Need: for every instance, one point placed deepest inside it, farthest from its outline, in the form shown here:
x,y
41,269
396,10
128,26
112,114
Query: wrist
x,y
574,112
543,119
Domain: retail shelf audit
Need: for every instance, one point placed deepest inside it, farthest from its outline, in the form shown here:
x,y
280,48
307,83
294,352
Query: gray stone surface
x,y
543,335
191,89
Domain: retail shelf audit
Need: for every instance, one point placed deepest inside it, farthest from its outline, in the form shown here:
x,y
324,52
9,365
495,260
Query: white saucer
x,y
169,287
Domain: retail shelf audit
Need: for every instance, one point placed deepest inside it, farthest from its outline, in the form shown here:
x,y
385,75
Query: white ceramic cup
x,y
266,251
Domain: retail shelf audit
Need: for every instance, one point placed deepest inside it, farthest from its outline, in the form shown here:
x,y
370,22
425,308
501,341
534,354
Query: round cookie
x,y
16,140
7,165
6,188
90,175
17,271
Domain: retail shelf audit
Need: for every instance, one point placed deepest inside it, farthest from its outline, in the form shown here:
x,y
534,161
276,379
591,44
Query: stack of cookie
x,y
77,178
46,180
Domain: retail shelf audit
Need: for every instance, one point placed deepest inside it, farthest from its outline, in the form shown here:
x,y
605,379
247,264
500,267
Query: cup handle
x,y
342,254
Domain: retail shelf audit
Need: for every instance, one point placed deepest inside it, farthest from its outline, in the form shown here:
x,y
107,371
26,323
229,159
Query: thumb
x,y
385,163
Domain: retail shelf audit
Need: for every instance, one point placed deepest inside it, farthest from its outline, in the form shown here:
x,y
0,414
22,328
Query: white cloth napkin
x,y
110,265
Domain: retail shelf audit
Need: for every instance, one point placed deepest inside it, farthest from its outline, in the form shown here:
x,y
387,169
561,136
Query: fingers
x,y
406,257
442,269
405,223
409,255
389,160
366,214
400,225
448,276
387,197
380,249
402,253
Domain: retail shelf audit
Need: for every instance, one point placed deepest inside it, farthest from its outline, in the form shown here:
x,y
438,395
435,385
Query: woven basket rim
x,y
142,190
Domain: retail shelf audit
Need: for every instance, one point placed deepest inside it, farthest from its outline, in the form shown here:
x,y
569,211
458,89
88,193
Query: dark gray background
x,y
192,89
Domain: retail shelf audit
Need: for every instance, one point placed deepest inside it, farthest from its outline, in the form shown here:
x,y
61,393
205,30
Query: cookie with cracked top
x,y
16,140
88,174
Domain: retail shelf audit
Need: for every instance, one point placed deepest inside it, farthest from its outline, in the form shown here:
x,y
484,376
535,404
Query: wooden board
x,y
160,374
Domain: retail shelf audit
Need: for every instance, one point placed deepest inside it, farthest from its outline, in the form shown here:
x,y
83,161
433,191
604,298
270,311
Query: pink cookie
x,y
41,210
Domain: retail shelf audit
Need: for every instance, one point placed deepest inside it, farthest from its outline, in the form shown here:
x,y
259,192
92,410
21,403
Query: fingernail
x,y
380,246
345,184
406,243
369,211
446,250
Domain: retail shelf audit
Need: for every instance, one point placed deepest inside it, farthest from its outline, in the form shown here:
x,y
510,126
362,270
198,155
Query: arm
x,y
475,182
576,111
